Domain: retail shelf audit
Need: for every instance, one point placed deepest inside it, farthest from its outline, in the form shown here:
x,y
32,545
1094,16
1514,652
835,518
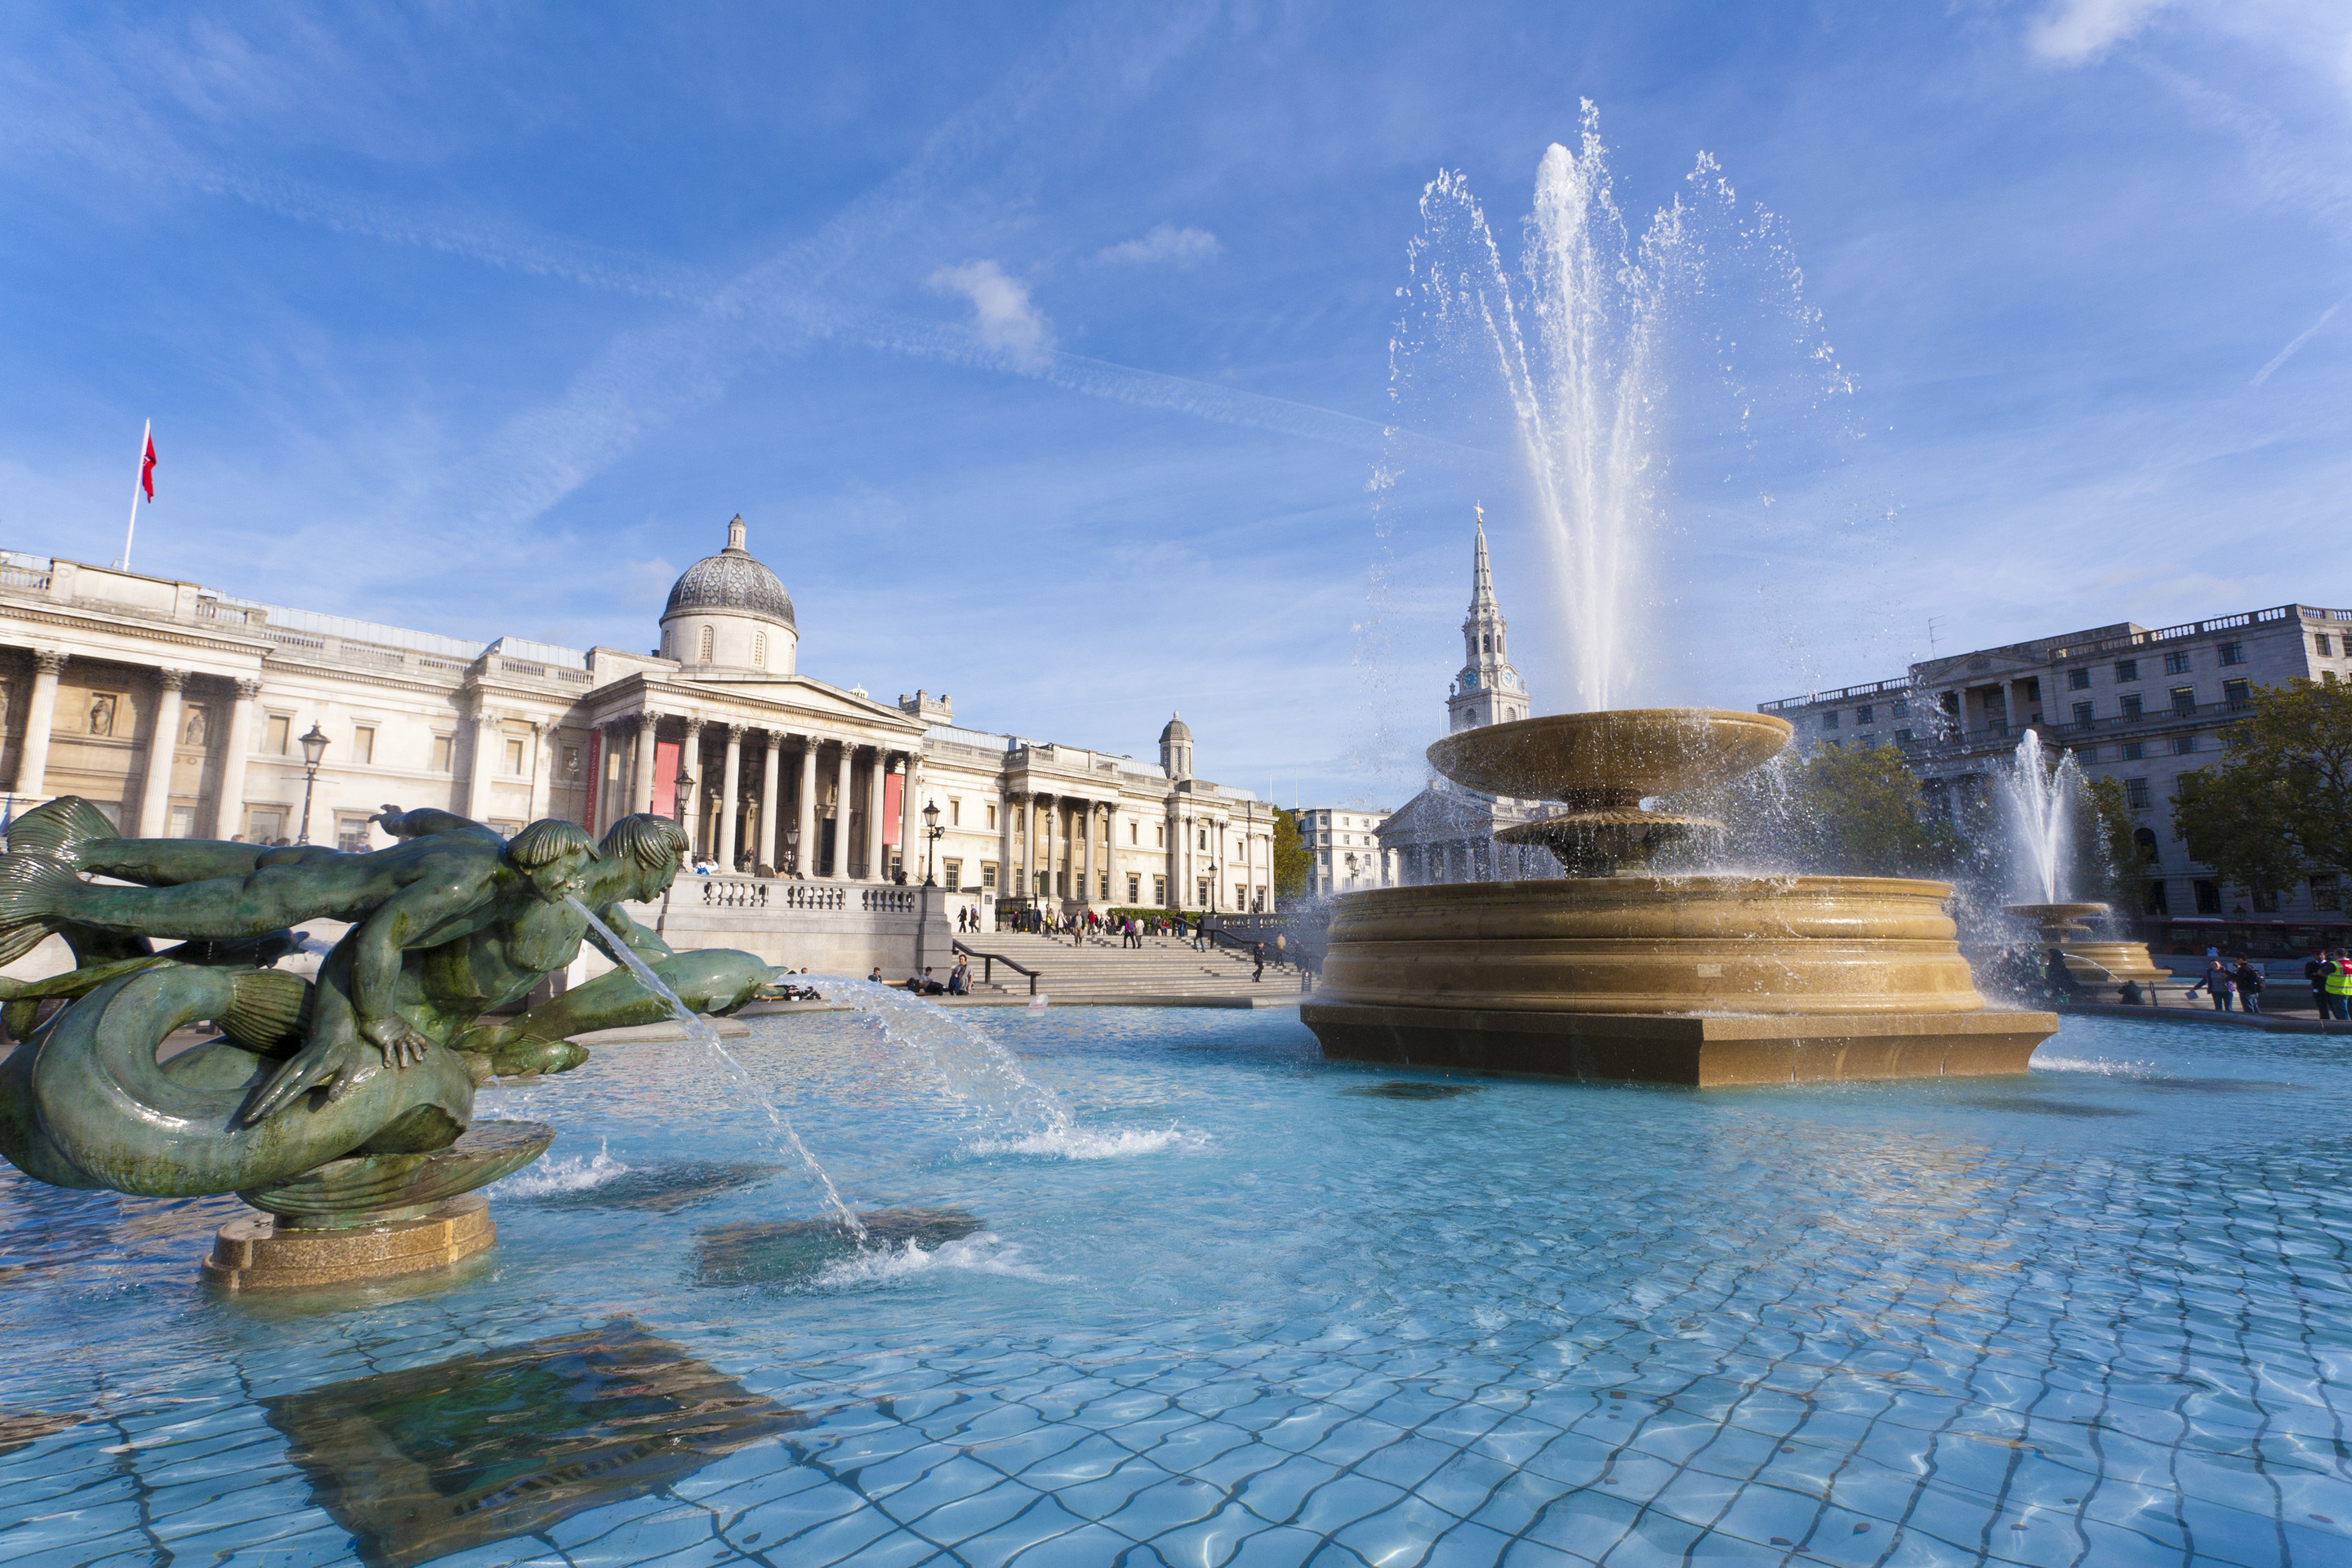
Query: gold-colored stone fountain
x,y
1623,974
2096,965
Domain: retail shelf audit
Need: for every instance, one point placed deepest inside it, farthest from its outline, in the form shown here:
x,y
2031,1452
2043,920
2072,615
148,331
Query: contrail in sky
x,y
2264,374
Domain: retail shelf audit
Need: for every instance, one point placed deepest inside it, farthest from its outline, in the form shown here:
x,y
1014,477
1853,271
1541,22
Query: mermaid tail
x,y
85,1103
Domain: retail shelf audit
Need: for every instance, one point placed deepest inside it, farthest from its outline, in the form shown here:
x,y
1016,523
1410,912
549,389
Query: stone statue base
x,y
257,1253
1696,1052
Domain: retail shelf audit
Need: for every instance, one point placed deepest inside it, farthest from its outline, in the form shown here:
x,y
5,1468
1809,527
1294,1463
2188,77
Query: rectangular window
x,y
351,832
2133,751
2177,662
265,827
2130,706
1103,881
364,745
1862,714
440,753
2184,700
2159,902
1902,737
2183,745
1132,829
274,738
2086,754
2233,653
1829,720
987,876
2136,793
2082,719
2319,640
1996,701
514,756
2326,893
1045,889
2209,897
2078,680
2237,693
2127,669
1160,892
1900,707
1135,887
184,822
1160,836
1201,890
2266,900
951,876
991,817
2327,677
1950,702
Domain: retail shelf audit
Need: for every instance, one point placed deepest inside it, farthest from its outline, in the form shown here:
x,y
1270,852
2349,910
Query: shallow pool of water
x,y
1256,1308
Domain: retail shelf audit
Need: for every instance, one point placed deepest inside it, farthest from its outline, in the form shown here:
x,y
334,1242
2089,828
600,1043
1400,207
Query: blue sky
x,y
1046,349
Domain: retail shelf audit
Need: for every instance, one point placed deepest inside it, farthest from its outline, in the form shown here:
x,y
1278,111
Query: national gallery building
x,y
184,711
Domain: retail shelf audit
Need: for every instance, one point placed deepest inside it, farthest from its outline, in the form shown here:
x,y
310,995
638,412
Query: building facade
x,y
1446,833
1343,849
181,711
2135,705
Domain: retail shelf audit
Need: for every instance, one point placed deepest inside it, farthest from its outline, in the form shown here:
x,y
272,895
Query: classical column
x,y
1006,869
689,767
40,716
155,798
910,853
806,864
841,797
1082,857
477,776
1024,845
771,804
542,767
641,763
1174,855
228,812
1055,807
728,787
877,773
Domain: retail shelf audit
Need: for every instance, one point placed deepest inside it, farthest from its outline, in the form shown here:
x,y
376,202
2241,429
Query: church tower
x,y
1487,689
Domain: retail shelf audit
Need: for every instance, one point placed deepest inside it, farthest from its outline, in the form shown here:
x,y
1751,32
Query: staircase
x,y
1163,973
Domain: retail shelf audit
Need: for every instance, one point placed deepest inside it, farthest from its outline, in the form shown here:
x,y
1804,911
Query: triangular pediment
x,y
792,699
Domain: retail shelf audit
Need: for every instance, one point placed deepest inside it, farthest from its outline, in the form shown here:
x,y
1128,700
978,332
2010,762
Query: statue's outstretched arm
x,y
427,820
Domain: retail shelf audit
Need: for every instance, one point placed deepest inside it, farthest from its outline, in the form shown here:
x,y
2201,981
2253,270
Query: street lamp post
x,y
793,849
932,834
314,746
682,801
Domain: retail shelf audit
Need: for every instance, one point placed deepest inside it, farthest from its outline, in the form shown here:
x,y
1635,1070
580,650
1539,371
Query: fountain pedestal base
x,y
1710,1052
257,1254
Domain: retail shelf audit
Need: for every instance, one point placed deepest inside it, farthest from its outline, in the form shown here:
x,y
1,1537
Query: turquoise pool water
x,y
1254,1308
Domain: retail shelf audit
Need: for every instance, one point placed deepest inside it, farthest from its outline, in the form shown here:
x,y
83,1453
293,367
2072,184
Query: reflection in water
x,y
1406,1090
661,1189
21,1429
2033,1105
785,1251
477,1449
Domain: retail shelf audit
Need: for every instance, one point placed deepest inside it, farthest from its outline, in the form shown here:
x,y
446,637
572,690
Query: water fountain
x,y
1619,974
2038,801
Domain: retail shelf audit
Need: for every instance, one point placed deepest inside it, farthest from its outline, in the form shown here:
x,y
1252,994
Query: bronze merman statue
x,y
370,1071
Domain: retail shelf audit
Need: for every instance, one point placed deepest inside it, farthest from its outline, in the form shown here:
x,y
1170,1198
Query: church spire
x,y
1482,577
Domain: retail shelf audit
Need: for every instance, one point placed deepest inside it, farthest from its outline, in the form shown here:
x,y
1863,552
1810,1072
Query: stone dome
x,y
731,582
1177,729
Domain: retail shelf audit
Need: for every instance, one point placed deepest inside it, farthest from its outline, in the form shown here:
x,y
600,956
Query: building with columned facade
x,y
181,710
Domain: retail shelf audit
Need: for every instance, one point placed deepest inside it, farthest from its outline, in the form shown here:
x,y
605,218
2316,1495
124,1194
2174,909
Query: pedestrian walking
x,y
2249,987
1257,951
2315,974
2216,983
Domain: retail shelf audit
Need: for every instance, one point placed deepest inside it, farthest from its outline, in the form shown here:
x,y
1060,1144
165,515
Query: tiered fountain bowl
x,y
1619,974
2096,965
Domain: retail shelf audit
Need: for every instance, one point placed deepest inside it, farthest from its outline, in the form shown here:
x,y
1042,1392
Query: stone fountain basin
x,y
1614,758
1657,945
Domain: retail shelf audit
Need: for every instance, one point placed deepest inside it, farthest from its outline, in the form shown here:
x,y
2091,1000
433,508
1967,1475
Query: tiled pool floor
x,y
2100,1316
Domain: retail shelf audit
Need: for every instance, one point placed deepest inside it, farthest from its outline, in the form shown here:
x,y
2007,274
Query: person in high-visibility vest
x,y
2339,985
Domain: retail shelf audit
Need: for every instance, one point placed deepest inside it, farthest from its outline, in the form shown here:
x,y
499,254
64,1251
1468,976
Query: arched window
x,y
2144,840
759,650
709,635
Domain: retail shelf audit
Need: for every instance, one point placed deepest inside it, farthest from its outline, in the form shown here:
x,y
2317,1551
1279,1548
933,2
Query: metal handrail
x,y
988,961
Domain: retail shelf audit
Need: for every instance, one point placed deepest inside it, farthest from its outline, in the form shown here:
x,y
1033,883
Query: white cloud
x,y
1003,316
2075,32
1166,242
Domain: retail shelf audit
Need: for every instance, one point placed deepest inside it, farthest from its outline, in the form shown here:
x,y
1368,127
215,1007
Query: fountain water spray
x,y
2038,802
698,1028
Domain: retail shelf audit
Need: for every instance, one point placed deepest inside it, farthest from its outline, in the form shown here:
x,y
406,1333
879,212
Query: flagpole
x,y
138,478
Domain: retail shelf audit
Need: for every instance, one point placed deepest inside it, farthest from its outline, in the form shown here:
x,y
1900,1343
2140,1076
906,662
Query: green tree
x,y
1858,812
2279,807
1291,861
2125,870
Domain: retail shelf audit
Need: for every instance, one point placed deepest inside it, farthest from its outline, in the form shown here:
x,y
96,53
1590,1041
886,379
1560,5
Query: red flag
x,y
147,469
